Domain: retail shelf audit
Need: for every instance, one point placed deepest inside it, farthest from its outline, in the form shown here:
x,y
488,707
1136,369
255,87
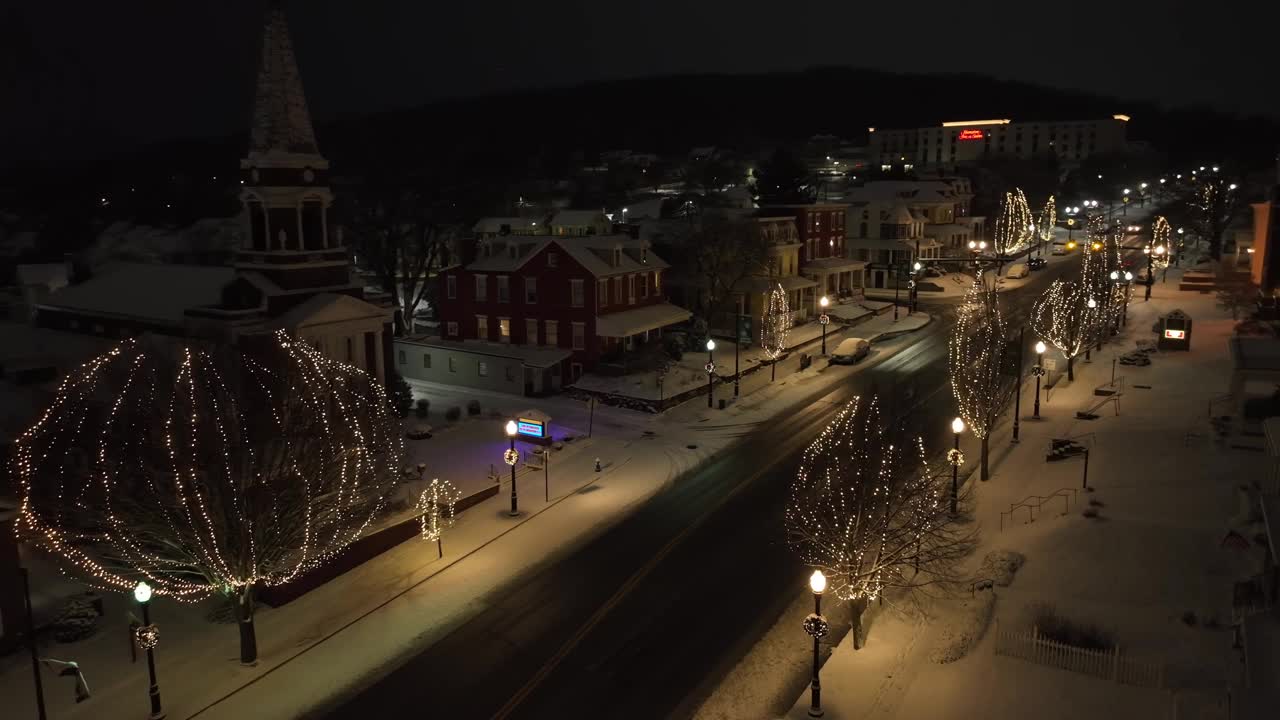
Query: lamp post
x,y
31,644
823,320
1038,371
147,636
711,370
817,628
1128,282
914,287
897,270
511,457
956,459
1125,200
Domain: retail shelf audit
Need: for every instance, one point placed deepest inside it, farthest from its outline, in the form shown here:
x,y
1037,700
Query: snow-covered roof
x,y
23,345
325,308
643,209
595,254
898,214
514,225
281,123
641,319
501,260
832,264
150,291
531,355
578,218
909,190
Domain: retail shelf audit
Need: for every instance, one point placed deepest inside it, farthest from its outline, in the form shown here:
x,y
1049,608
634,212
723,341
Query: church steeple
x,y
286,196
281,123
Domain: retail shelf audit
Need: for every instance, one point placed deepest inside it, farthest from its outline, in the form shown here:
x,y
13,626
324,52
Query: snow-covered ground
x,y
1167,495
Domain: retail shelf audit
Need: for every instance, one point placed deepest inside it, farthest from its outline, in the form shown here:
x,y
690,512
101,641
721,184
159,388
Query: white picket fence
x,y
1106,664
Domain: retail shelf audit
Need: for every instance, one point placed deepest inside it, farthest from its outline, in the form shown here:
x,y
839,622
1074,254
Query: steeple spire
x,y
281,123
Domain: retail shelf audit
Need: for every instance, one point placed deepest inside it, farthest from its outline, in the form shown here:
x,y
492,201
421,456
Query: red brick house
x,y
823,257
552,305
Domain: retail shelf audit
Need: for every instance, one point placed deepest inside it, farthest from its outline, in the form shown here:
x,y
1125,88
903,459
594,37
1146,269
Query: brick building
x,y
820,229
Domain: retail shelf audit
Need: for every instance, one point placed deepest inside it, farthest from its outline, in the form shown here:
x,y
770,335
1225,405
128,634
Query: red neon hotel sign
x,y
971,134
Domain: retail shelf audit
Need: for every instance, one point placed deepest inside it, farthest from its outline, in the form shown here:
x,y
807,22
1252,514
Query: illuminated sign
x,y
531,428
1175,334
971,134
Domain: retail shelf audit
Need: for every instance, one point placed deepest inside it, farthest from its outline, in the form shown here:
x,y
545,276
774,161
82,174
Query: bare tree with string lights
x,y
775,324
868,511
207,470
1026,222
1047,221
1062,317
979,380
1006,235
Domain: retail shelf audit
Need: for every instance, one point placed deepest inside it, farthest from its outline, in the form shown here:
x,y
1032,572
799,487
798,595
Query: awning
x,y
634,322
788,283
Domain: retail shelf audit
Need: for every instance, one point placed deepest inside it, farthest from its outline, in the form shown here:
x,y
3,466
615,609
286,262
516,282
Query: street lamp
x,y
956,459
511,457
146,636
914,286
711,369
824,320
815,625
1038,371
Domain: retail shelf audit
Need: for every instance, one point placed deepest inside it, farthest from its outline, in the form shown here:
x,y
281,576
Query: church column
x,y
298,241
377,370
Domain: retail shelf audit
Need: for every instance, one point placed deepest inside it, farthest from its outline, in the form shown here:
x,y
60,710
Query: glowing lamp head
x,y
817,582
1232,186
917,266
142,592
1159,249
1181,230
982,244
957,426
1126,191
1040,348
1142,186
972,244
1128,276
1092,303
1115,275
711,345
1071,244
823,301
511,428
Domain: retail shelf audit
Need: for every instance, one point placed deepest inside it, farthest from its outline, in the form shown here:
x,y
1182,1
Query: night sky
x,y
138,70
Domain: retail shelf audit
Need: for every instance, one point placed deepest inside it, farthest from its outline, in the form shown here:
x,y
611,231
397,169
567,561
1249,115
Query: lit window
x,y
504,330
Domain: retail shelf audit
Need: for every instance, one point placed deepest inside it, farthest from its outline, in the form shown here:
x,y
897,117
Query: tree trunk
x,y
986,470
248,638
1071,376
856,608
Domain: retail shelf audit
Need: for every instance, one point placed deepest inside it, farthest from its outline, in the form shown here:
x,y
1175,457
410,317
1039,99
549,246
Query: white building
x,y
965,142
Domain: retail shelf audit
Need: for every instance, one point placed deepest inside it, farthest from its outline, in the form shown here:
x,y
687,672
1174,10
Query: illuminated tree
x,y
1024,219
1048,220
775,324
1211,203
436,509
979,378
207,470
868,510
1061,316
1006,234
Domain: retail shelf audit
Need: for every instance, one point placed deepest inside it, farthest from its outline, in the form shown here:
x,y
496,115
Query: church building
x,y
292,271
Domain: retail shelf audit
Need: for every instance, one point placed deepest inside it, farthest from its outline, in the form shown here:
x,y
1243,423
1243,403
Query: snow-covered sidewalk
x,y
1164,494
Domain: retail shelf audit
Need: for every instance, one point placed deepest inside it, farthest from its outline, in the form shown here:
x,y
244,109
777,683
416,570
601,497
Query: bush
x,y
673,345
1070,632
473,407
422,408
1000,566
453,413
1090,512
400,395
78,620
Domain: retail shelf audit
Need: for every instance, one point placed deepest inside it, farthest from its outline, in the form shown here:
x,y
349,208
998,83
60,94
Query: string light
x,y
869,513
1061,316
1013,226
203,470
436,508
775,323
978,380
1048,219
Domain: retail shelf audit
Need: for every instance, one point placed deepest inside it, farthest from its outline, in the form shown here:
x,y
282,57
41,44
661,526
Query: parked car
x,y
1037,263
1059,250
850,351
1017,271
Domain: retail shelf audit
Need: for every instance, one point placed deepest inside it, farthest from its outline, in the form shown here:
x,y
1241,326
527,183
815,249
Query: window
x,y
617,257
482,288
575,293
530,331
426,361
602,293
617,290
504,288
400,357
551,327
351,350
482,368
482,327
531,290
644,286
451,287
552,259
453,364
657,283
579,336
504,330
452,329
631,289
